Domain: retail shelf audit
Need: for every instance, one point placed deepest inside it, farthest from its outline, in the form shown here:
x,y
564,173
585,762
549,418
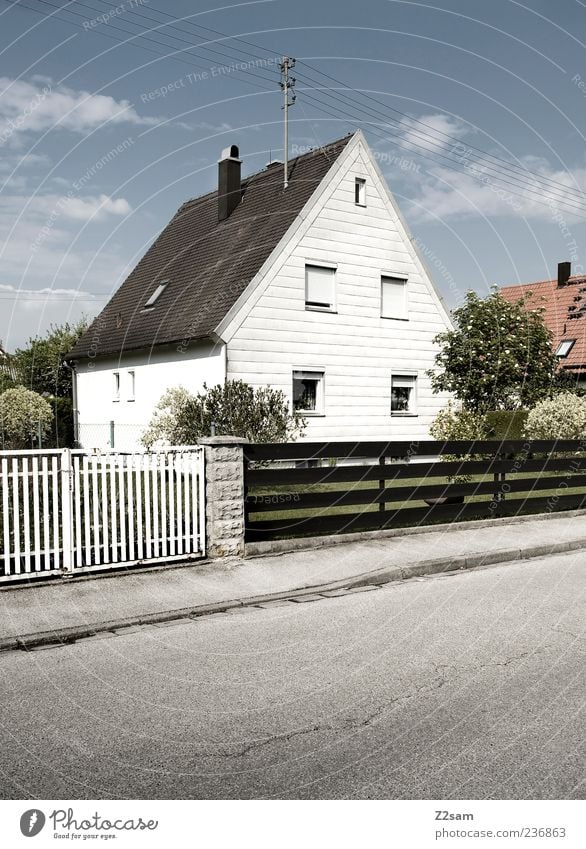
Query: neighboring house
x,y
316,289
564,304
6,363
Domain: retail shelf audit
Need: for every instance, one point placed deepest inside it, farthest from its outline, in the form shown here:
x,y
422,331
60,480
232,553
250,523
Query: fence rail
x,y
64,511
305,489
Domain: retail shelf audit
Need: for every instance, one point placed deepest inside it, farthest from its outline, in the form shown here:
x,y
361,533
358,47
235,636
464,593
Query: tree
x,y
233,408
23,415
499,356
40,366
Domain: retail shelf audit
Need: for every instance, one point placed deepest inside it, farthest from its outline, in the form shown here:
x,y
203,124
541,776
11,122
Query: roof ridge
x,y
574,278
321,149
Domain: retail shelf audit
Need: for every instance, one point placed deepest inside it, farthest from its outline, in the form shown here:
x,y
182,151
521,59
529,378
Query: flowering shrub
x,y
453,423
233,408
23,414
561,417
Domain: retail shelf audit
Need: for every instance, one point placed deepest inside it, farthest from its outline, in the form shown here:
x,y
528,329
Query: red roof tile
x,y
564,313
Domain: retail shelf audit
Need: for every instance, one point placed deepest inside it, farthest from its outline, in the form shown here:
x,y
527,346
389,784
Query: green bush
x,y
233,408
23,414
61,434
561,417
454,423
505,424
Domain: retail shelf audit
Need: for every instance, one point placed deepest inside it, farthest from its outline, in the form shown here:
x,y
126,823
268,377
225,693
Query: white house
x,y
316,289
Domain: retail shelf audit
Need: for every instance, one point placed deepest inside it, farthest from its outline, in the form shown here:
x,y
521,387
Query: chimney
x,y
564,271
229,191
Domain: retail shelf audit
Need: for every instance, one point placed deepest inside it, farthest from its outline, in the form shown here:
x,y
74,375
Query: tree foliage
x,y
23,414
560,417
498,357
233,408
40,365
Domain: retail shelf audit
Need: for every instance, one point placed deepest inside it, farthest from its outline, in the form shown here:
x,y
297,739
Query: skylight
x,y
156,295
565,347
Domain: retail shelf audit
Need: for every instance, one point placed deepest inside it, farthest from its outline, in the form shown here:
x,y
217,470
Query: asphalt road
x,y
458,686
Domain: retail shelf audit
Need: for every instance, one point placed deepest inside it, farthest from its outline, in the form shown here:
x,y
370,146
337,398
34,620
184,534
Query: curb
x,y
387,574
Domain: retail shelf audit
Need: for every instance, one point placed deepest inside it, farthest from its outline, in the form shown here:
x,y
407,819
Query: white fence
x,y
67,511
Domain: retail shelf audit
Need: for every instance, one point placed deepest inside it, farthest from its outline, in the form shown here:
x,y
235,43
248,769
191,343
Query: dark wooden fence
x,y
308,489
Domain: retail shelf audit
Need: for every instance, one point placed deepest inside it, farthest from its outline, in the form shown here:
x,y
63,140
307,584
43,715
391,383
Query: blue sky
x,y
100,142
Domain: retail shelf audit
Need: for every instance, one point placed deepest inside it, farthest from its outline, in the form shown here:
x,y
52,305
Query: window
x,y
116,386
564,348
155,296
308,392
360,192
320,289
131,384
403,395
394,297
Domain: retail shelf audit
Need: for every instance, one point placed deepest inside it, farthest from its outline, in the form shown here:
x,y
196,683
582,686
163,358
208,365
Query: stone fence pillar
x,y
224,476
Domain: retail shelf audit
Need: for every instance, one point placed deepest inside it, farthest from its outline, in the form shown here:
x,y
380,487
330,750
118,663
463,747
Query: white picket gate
x,y
68,511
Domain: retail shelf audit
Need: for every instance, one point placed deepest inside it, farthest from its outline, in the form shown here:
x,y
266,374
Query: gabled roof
x,y
564,313
208,264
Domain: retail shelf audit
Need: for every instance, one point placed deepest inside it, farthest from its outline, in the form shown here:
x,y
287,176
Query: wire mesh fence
x,y
110,436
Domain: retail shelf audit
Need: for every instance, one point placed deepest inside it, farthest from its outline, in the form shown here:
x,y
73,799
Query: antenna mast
x,y
287,84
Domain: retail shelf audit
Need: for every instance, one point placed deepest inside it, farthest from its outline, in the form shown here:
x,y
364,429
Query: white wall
x,y
357,348
155,372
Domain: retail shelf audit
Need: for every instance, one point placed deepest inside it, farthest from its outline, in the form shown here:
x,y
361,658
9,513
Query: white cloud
x,y
35,106
47,209
25,313
48,273
434,133
449,193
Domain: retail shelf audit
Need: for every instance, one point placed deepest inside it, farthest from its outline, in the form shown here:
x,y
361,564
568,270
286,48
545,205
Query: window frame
x,y
360,191
320,394
131,374
116,387
316,306
570,343
387,277
154,297
413,410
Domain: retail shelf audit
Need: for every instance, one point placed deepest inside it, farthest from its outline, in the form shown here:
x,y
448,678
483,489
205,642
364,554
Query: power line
x,y
518,181
129,41
536,178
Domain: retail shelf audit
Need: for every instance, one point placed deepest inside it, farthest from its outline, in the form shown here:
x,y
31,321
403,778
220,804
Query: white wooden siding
x,y
154,372
357,348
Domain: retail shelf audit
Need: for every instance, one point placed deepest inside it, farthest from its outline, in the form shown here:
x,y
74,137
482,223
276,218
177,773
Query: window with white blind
x,y
394,297
320,287
360,192
116,386
403,395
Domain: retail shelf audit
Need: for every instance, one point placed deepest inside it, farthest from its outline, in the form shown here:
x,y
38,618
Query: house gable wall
x,y
274,333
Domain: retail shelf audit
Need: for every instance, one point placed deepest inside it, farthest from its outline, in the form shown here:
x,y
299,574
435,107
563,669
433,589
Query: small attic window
x,y
565,347
360,191
155,296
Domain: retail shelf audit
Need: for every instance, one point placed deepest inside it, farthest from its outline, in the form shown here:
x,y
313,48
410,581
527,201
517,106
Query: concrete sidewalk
x,y
68,609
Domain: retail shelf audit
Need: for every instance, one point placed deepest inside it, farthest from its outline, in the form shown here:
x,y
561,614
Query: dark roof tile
x,y
208,263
